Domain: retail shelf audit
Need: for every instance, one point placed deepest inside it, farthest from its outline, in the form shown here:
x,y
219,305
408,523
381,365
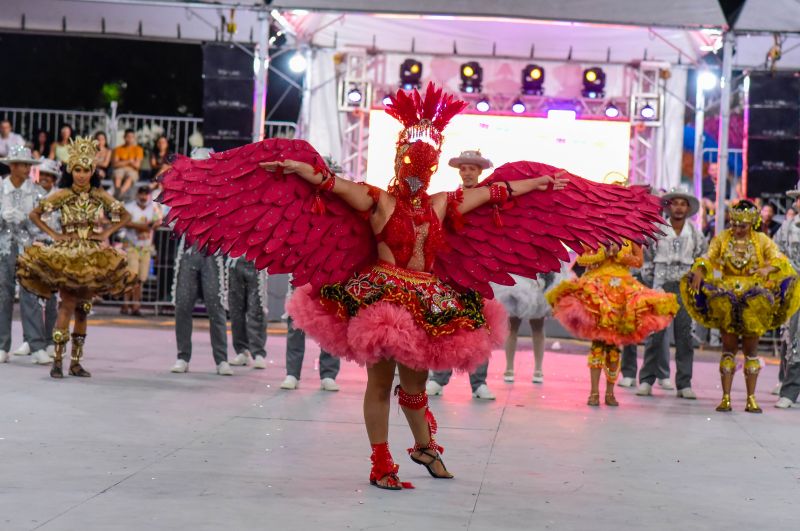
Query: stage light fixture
x,y
518,106
410,74
612,111
387,100
594,83
647,112
354,96
298,63
533,80
708,80
483,105
471,77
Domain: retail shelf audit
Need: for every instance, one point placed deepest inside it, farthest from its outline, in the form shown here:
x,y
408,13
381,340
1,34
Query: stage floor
x,y
136,447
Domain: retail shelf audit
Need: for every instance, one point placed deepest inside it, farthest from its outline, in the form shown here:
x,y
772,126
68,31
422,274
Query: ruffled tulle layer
x,y
83,266
616,310
389,328
745,306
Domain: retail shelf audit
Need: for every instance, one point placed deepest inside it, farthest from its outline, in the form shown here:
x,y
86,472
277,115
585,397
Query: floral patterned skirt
x,y
389,312
613,308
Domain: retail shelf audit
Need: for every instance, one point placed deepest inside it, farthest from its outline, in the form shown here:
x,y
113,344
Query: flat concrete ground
x,y
138,448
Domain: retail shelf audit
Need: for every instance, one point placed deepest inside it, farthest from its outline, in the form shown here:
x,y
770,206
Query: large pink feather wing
x,y
229,203
537,226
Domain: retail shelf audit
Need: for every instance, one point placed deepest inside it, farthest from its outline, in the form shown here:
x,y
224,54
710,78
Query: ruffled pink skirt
x,y
385,314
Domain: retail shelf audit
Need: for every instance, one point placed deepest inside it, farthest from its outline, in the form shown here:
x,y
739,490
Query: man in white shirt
x,y
665,263
470,165
8,139
43,323
145,218
18,196
788,241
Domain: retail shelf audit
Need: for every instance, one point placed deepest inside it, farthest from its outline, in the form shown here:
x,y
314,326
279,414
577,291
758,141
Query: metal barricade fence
x,y
157,290
27,122
181,132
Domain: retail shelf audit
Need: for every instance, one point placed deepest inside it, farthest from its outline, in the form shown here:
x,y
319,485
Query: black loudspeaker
x,y
773,133
228,86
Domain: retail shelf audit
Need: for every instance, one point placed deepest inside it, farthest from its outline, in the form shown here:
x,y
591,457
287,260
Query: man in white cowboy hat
x,y
18,196
470,165
196,273
666,262
34,325
788,240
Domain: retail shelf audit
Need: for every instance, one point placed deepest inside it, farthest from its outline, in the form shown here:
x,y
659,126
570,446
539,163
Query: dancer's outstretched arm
x,y
355,195
475,197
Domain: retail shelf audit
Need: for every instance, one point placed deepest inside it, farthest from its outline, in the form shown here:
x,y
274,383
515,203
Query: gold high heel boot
x,y
727,368
752,366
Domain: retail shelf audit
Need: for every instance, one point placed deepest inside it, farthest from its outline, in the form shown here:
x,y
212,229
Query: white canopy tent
x,y
595,32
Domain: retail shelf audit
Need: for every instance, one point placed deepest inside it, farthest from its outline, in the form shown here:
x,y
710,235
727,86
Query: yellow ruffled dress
x,y
732,297
608,304
81,265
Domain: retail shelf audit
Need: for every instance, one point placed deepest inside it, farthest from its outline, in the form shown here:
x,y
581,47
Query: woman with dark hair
x,y
103,159
59,150
159,158
41,144
744,286
79,264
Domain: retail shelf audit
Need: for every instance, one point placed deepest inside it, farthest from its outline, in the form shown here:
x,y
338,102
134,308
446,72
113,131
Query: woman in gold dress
x,y
79,264
744,286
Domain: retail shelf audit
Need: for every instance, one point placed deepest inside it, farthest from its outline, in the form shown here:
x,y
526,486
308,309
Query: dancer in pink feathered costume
x,y
398,278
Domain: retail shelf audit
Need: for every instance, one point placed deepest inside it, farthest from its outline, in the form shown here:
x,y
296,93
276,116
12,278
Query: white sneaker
x,y
259,362
645,389
483,393
23,350
224,369
180,366
51,351
242,358
687,393
434,389
627,382
290,383
538,377
666,383
40,357
784,403
4,357
508,376
329,384
777,389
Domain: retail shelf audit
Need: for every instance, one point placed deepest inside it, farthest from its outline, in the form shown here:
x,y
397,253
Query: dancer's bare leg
x,y
537,335
511,344
413,383
377,400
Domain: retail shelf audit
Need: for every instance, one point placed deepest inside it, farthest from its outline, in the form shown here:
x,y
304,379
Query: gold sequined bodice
x,y
82,211
741,254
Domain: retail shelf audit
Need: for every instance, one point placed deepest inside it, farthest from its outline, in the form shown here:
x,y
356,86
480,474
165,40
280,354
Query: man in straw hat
x,y
18,196
35,324
666,263
788,240
470,165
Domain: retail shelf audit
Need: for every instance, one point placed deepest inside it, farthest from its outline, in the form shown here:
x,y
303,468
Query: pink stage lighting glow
x,y
561,114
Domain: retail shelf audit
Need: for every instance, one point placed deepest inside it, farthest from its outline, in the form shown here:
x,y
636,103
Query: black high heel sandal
x,y
429,466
